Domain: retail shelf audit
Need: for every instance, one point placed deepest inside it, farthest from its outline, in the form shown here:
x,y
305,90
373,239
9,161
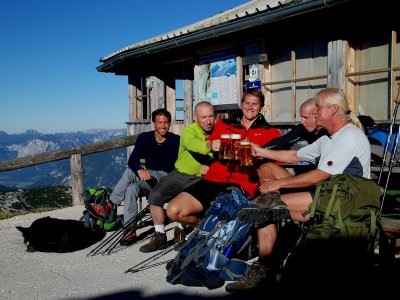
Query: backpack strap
x,y
330,203
373,227
313,204
177,257
194,255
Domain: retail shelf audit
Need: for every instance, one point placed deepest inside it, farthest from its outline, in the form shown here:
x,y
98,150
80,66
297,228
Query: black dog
x,y
56,235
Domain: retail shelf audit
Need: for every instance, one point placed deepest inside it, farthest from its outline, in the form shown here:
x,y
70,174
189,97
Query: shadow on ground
x,y
309,275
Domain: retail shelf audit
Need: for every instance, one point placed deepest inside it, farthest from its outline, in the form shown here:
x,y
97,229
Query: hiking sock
x,y
159,228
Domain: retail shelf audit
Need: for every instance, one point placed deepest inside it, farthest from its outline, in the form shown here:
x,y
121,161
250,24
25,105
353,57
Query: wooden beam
x,y
28,161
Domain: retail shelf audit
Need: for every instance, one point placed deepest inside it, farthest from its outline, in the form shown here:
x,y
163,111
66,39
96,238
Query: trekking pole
x,y
117,239
393,158
140,266
393,155
117,234
389,136
113,236
132,222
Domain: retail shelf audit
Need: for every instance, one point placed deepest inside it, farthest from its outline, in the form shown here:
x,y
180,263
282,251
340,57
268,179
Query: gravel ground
x,y
75,275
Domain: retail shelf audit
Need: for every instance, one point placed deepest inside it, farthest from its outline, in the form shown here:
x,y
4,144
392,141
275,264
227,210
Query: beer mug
x,y
225,148
235,145
246,159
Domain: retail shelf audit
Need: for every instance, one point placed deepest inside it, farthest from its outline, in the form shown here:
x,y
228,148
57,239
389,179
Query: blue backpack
x,y
218,249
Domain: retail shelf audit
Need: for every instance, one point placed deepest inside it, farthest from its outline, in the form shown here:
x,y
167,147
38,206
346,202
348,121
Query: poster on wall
x,y
218,80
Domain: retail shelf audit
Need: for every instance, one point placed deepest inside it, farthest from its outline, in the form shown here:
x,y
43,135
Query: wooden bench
x,y
390,239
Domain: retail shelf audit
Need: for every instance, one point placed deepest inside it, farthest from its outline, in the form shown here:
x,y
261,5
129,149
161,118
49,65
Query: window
x,y
297,70
180,103
371,82
143,99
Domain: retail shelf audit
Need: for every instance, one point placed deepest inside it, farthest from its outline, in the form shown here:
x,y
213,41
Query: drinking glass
x,y
235,145
246,159
225,151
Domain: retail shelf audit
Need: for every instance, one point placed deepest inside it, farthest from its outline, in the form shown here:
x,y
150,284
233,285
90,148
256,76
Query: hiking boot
x,y
256,275
129,238
269,208
179,235
158,241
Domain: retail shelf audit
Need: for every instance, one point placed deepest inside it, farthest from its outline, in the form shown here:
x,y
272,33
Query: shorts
x,y
169,186
205,191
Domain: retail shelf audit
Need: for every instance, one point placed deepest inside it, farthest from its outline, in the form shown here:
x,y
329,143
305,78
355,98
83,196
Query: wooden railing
x,y
75,156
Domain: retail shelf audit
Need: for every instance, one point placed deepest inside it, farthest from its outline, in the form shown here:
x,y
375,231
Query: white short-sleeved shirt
x,y
346,152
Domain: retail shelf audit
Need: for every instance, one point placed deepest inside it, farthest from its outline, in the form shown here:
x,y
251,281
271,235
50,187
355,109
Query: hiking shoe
x,y
129,238
270,200
256,275
158,241
269,208
179,235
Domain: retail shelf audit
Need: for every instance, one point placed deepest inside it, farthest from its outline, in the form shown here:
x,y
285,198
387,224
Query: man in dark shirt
x,y
159,149
307,130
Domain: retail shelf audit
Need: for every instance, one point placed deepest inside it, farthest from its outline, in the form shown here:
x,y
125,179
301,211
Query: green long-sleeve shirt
x,y
193,140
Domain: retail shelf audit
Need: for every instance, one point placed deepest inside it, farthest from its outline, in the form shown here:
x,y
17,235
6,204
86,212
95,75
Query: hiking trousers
x,y
128,189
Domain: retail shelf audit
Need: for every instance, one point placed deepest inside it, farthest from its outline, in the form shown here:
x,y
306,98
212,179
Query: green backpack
x,y
99,213
345,207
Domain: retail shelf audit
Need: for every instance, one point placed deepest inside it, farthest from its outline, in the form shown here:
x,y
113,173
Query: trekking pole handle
x,y
397,99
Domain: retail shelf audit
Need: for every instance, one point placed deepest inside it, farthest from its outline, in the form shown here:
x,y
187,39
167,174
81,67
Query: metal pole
x,y
393,155
389,136
393,159
116,236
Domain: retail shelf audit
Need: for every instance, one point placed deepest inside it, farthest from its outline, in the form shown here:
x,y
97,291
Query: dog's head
x,y
26,233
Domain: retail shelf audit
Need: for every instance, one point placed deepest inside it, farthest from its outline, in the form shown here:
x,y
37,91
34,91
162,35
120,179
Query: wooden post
x,y
76,179
336,63
188,101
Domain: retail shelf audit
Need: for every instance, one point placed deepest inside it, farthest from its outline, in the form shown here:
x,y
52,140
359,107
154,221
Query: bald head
x,y
308,105
205,116
307,117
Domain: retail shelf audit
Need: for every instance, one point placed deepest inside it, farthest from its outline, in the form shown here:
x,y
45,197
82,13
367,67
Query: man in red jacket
x,y
250,124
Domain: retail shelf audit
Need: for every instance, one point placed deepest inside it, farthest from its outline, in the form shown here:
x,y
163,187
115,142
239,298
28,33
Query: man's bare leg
x,y
271,171
158,240
157,214
297,204
183,209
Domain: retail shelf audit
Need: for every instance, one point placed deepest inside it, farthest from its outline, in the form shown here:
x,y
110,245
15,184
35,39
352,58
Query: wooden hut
x,y
290,49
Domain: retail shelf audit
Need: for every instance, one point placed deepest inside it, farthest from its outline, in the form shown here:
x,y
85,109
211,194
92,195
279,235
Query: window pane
x,y
281,94
373,90
179,104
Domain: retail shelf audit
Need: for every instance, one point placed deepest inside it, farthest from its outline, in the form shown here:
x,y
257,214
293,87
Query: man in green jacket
x,y
194,156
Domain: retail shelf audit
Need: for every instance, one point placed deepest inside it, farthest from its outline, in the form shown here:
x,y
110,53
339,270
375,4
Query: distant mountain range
x,y
100,169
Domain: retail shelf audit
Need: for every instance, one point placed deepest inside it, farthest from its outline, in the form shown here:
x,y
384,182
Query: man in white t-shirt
x,y
346,151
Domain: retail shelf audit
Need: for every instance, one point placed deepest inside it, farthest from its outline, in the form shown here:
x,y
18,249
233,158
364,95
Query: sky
x,y
50,49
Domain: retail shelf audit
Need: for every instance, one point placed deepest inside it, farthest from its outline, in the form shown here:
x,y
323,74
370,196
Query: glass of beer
x,y
235,146
225,148
246,159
